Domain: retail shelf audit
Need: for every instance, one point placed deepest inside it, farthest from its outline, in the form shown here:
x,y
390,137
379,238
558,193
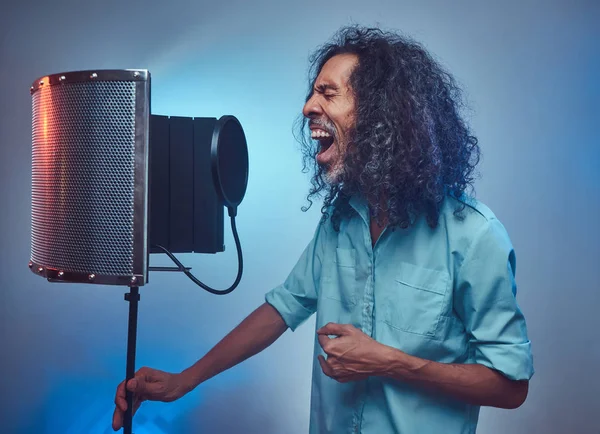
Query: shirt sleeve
x,y
296,298
485,299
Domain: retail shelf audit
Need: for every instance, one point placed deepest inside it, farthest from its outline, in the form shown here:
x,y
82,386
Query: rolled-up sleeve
x,y
485,299
296,298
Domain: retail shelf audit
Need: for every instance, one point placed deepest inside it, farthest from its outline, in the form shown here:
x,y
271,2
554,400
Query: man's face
x,y
330,111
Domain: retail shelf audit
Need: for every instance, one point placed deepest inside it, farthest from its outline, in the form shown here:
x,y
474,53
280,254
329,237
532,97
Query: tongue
x,y
324,156
326,143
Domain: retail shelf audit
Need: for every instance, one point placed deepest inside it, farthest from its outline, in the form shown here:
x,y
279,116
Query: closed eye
x,y
327,90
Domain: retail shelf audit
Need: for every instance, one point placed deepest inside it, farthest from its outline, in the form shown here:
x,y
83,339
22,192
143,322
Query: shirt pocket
x,y
414,301
339,282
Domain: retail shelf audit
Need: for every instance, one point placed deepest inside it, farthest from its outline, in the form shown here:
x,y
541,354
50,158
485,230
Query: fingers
x,y
331,346
117,421
324,342
120,400
120,406
349,378
333,329
137,386
145,387
325,367
119,413
330,372
139,391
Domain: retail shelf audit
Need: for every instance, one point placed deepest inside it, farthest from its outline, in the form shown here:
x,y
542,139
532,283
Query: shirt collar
x,y
361,206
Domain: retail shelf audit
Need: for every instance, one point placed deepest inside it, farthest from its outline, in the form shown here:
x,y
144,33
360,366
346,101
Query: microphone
x,y
113,183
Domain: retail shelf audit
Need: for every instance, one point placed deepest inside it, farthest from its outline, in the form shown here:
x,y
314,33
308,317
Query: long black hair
x,y
409,147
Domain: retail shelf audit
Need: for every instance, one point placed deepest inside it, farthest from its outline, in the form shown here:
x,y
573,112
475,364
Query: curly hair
x,y
409,147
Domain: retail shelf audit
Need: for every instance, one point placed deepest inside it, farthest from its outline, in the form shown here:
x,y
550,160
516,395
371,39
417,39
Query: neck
x,y
377,229
383,215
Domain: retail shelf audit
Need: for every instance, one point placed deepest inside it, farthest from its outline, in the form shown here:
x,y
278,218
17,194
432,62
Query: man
x,y
412,281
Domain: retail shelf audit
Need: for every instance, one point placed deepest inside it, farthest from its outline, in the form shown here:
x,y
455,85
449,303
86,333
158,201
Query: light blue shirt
x,y
445,294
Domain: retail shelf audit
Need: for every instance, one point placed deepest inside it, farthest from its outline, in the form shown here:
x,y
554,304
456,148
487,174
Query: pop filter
x,y
229,159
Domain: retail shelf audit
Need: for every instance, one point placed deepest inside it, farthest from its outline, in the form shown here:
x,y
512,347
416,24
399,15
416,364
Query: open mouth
x,y
324,138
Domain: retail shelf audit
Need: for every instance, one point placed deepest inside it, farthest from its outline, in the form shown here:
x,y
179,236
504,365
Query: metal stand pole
x,y
132,297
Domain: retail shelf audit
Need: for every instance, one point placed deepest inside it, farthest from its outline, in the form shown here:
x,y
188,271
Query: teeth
x,y
320,133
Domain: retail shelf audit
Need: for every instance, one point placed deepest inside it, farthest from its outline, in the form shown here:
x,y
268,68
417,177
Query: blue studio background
x,y
530,72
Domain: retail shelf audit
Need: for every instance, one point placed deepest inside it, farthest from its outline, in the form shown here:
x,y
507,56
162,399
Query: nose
x,y
312,108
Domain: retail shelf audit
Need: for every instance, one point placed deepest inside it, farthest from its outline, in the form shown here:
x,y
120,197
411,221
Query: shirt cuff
x,y
514,361
290,309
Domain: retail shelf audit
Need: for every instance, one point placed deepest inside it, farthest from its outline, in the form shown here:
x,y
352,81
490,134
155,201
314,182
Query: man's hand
x,y
352,355
147,385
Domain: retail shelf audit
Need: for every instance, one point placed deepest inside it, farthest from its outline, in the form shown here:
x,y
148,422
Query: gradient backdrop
x,y
530,71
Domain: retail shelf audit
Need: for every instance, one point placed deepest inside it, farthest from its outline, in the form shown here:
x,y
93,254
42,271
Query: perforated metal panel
x,y
89,176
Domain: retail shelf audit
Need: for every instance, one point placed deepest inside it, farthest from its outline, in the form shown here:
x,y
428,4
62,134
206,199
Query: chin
x,y
333,175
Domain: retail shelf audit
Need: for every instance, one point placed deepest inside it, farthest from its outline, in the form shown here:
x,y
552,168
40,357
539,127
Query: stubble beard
x,y
333,174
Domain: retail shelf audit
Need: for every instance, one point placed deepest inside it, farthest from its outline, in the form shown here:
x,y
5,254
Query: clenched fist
x,y
147,385
352,355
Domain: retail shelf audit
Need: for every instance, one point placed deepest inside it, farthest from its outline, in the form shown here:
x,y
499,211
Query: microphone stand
x,y
132,297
